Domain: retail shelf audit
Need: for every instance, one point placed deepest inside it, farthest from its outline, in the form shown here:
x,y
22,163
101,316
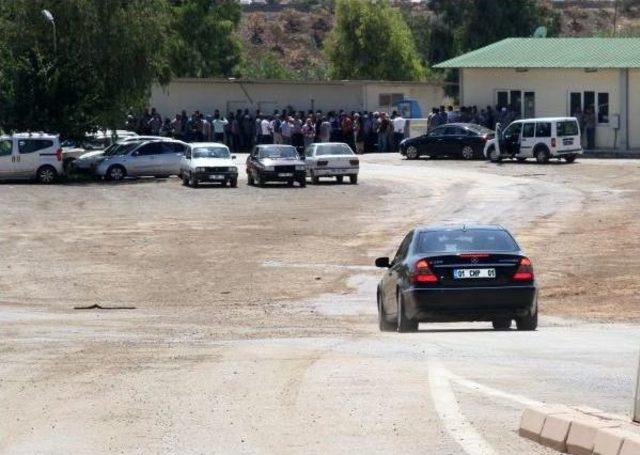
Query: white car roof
x,y
208,144
545,119
38,135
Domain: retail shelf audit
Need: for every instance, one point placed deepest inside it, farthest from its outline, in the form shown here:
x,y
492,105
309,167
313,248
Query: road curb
x,y
574,431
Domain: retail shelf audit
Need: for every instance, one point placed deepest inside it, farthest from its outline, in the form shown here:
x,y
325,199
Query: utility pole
x,y
636,402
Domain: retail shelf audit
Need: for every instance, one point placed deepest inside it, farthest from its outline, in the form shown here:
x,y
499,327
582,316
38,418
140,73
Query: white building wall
x,y
552,88
209,94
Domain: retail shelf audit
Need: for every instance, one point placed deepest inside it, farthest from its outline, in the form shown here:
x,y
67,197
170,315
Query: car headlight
x,y
269,168
300,168
200,169
233,169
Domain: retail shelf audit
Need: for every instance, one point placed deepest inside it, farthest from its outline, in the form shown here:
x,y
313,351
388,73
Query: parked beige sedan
x,y
332,159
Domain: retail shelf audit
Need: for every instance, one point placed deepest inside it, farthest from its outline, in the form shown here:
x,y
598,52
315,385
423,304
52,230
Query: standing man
x,y
265,131
384,130
219,125
276,127
247,127
285,129
399,124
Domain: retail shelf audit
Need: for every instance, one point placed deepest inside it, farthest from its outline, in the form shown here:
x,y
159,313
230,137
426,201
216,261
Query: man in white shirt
x,y
218,126
286,129
399,124
265,131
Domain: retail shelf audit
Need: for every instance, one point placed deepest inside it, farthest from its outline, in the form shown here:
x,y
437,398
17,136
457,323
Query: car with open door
x,y
455,140
457,273
208,162
538,138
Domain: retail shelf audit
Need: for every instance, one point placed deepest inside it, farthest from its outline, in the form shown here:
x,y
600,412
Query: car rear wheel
x,y
467,153
501,324
383,324
412,153
116,173
353,179
570,158
529,322
46,175
404,324
542,155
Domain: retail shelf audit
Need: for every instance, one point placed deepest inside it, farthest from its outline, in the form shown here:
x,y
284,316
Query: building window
x,y
513,100
603,108
581,102
389,99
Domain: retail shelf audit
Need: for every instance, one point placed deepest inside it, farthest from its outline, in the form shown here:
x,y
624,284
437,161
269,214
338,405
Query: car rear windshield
x,y
466,241
278,152
211,152
479,129
333,149
567,128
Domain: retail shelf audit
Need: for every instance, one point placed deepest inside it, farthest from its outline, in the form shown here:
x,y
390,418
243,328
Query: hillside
x,y
285,40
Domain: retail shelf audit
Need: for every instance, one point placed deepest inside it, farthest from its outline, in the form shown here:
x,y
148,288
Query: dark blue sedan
x,y
454,140
454,274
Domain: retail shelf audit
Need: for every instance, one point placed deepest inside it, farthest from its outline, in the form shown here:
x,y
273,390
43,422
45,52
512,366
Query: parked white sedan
x,y
331,159
209,162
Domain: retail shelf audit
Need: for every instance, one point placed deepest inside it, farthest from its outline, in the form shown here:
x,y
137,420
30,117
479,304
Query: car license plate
x,y
216,177
285,174
474,273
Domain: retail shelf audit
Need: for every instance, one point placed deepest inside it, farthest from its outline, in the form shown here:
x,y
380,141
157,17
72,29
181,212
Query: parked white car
x,y
209,162
31,156
331,159
88,161
160,158
539,138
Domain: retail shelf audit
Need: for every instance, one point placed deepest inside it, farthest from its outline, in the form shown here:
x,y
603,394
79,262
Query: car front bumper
x,y
277,176
214,177
469,304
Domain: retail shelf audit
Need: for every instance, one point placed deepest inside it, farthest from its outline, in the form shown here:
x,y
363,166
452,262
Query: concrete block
x,y
582,434
531,423
556,430
608,441
631,445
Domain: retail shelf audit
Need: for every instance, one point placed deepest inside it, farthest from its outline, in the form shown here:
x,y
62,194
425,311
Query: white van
x,y
539,138
30,156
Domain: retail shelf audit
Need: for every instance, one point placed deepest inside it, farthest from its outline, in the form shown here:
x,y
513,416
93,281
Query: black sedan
x,y
457,273
460,140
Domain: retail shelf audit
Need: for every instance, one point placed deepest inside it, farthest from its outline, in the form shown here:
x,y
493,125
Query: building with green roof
x,y
544,77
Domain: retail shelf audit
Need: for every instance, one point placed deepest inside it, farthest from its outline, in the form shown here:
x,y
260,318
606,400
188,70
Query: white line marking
x,y
490,390
449,412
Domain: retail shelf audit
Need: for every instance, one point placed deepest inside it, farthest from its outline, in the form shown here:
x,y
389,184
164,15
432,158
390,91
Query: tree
x,y
205,43
371,41
108,55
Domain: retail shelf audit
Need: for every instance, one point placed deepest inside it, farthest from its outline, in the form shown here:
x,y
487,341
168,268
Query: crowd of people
x,y
365,132
488,117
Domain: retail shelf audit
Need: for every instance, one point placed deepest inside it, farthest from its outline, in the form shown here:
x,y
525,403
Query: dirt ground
x,y
208,274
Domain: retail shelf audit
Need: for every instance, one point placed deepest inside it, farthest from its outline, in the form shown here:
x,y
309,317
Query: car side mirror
x,y
382,262
233,157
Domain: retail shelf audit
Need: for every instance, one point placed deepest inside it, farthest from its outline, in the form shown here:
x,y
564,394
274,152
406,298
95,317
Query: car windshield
x,y
333,149
468,240
278,152
211,152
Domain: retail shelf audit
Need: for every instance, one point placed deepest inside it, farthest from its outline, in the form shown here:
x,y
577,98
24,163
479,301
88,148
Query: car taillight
x,y
553,142
355,162
59,154
422,273
525,270
322,163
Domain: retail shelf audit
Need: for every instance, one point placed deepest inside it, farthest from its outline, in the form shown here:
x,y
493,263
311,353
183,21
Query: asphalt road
x,y
253,328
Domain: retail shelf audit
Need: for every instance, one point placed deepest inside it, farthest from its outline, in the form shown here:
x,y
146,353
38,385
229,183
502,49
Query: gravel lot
x,y
251,323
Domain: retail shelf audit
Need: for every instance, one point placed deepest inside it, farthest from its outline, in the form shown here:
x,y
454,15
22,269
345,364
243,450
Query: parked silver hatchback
x,y
159,158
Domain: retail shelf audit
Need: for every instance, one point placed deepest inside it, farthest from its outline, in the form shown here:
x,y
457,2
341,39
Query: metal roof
x,y
552,53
